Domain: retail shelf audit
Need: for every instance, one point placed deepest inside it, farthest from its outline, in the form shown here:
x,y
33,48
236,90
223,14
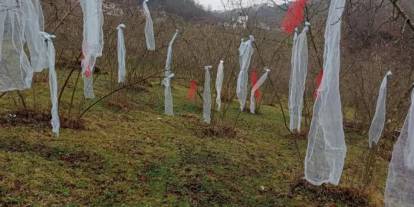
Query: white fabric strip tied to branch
x,y
298,77
121,54
399,189
20,25
378,122
326,151
245,56
219,84
256,87
207,95
92,41
149,27
168,99
53,83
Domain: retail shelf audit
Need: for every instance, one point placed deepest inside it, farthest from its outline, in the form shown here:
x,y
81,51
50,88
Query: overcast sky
x,y
217,4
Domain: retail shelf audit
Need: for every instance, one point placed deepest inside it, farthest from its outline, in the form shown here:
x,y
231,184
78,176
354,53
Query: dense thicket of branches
x,y
375,39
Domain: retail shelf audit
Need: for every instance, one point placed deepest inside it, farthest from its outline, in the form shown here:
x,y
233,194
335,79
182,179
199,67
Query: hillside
x,y
126,153
119,149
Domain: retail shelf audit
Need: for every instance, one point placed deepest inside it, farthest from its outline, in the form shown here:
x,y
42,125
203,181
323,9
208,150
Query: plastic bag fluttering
x,y
326,151
121,54
399,189
20,25
92,41
298,77
219,84
52,83
378,122
255,88
245,56
207,95
149,27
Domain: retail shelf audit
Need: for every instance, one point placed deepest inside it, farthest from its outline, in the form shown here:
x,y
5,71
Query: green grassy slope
x,y
139,157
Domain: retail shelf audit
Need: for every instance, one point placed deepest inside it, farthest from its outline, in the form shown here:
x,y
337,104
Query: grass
x,y
136,156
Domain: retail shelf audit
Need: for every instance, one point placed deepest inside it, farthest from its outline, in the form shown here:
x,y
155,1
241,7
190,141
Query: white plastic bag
x,y
298,77
20,25
53,83
92,41
255,88
168,99
219,84
207,95
245,56
326,151
149,27
121,54
399,190
377,124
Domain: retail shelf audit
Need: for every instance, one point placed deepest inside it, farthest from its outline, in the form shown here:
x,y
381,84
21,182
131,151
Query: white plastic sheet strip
x,y
326,151
399,189
207,95
256,86
298,78
149,27
378,122
245,56
53,83
121,54
170,54
34,24
168,99
20,25
219,84
92,41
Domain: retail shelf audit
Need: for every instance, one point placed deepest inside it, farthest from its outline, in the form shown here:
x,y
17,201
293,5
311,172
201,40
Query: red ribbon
x,y
318,81
88,72
294,16
192,90
253,80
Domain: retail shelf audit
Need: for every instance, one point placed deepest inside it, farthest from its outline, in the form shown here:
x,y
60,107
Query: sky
x,y
217,4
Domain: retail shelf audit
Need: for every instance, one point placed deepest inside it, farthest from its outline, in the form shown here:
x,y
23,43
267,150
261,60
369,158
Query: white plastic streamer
x,y
52,83
399,190
20,25
121,54
377,124
326,144
92,41
34,24
170,54
245,56
149,27
207,95
219,84
256,86
298,77
168,99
